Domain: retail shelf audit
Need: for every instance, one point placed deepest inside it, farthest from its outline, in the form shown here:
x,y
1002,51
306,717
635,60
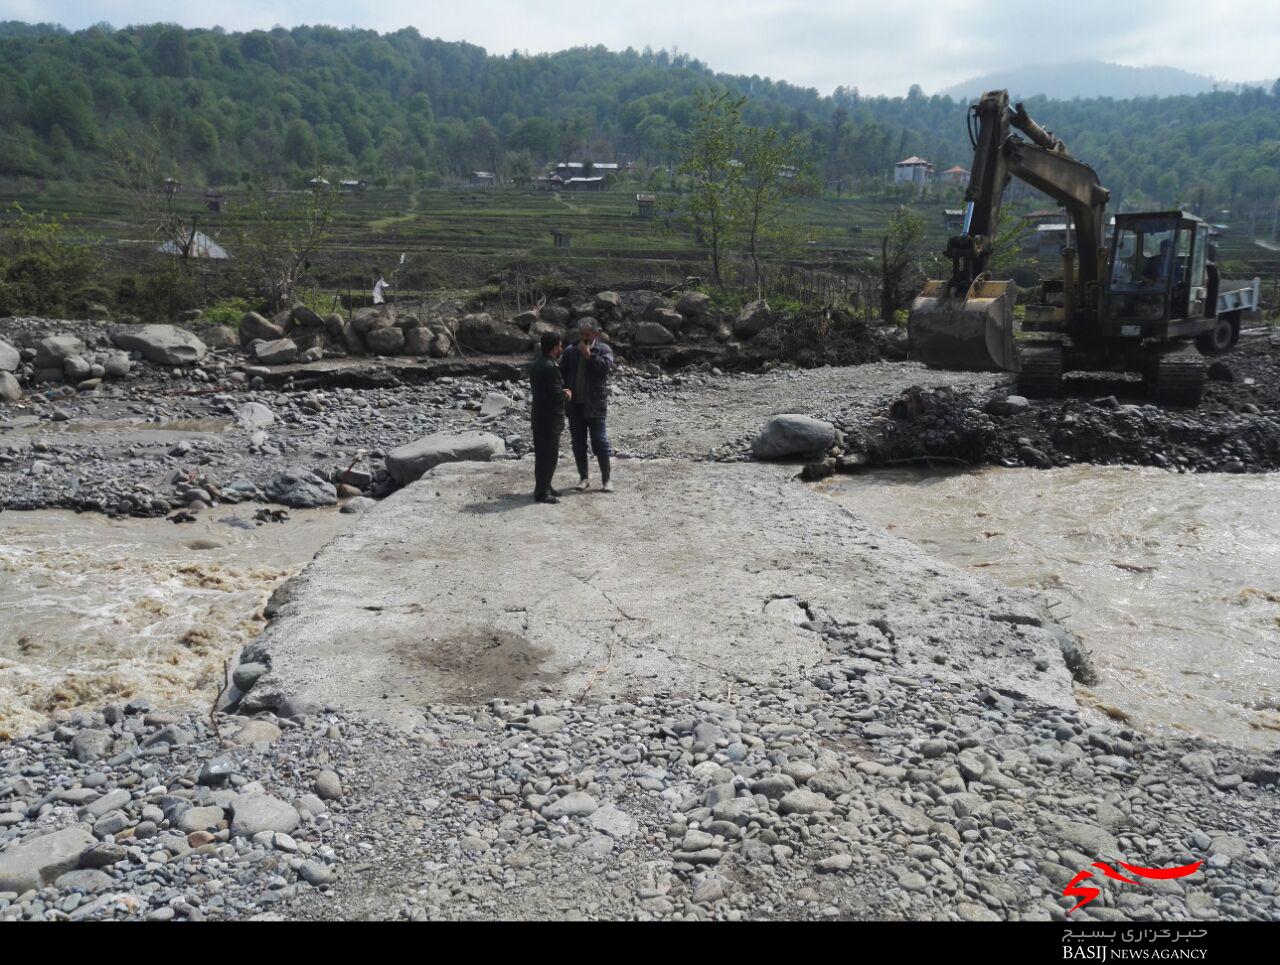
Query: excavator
x,y
1138,305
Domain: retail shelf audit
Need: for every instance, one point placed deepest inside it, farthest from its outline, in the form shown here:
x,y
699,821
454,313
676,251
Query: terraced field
x,y
458,237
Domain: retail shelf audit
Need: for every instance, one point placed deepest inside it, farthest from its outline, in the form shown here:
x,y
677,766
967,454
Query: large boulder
x,y
668,318
219,337
38,860
654,307
305,317
53,351
370,317
385,340
10,390
787,436
410,462
652,333
555,314
254,326
693,304
161,344
353,340
608,303
280,351
753,319
482,334
302,489
9,358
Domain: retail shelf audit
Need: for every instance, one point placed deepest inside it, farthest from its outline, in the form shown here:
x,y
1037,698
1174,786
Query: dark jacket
x,y
598,368
548,392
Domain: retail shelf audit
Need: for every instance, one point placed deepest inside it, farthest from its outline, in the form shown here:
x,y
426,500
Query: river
x,y
96,610
1171,581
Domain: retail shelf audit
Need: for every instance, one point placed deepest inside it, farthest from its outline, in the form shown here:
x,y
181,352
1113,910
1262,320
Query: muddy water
x,y
95,610
1172,581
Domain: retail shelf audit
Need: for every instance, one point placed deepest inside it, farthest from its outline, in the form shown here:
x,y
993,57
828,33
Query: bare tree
x,y
145,167
278,232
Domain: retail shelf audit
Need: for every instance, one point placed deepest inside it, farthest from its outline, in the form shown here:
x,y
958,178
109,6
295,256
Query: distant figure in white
x,y
380,289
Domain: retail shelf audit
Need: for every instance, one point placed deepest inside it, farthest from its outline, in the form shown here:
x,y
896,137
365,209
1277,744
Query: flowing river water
x,y
95,610
1171,581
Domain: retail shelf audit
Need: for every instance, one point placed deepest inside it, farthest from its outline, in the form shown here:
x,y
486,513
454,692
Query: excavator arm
x,y
967,322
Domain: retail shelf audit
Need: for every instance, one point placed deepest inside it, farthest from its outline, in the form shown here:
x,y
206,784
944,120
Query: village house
x,y
646,205
953,220
912,170
955,175
483,179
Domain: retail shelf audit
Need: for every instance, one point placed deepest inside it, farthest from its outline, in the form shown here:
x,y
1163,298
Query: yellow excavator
x,y
1138,305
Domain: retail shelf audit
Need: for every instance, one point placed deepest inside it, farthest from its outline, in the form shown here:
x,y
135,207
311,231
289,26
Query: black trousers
x,y
546,455
581,426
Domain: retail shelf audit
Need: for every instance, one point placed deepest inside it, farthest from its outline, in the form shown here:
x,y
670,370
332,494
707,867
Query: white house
x,y
915,170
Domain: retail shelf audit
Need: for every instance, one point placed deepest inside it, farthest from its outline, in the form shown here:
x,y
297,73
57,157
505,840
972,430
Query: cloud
x,y
876,46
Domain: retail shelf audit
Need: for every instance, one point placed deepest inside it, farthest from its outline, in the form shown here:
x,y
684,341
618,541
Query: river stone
x,y
257,731
246,675
262,812
9,358
306,317
789,435
483,334
10,389
160,344
51,352
254,326
693,304
752,320
89,745
652,333
201,819
85,879
1089,838
385,340
254,415
39,860
219,337
804,801
280,351
302,489
358,504
327,785
410,462
576,804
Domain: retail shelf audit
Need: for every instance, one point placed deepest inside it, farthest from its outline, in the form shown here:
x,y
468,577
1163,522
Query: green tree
x,y
770,180
709,160
899,266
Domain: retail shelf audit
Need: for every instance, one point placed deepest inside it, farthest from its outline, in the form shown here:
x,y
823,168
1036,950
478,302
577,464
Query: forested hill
x,y
401,107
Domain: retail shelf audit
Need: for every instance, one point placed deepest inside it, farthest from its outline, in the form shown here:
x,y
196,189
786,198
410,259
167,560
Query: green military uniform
x,y
547,386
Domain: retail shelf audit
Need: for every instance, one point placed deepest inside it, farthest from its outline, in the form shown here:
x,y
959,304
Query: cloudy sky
x,y
879,46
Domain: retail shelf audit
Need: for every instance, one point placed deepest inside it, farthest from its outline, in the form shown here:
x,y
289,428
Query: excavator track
x,y
1041,374
1179,379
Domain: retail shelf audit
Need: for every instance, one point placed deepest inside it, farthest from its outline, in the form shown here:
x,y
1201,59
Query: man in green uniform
x,y
549,395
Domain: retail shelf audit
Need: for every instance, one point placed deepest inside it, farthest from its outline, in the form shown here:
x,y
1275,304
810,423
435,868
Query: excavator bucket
x,y
973,333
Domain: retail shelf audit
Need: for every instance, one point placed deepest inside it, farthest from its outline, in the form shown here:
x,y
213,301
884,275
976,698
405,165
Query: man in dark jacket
x,y
586,366
549,395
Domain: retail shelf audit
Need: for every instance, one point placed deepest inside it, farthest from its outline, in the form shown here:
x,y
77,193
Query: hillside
x,y
407,110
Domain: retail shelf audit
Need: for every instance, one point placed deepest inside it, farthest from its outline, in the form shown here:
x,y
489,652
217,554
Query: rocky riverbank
x,y
860,789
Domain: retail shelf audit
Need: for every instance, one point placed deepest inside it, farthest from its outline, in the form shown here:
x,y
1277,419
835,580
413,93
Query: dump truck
x,y
1146,302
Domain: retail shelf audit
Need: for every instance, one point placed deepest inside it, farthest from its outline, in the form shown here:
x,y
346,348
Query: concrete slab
x,y
459,589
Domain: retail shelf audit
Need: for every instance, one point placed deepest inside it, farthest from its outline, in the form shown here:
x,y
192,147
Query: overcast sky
x,y
879,46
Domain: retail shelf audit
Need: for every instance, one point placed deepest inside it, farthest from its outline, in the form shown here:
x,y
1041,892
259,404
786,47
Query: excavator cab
x,y
1157,283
